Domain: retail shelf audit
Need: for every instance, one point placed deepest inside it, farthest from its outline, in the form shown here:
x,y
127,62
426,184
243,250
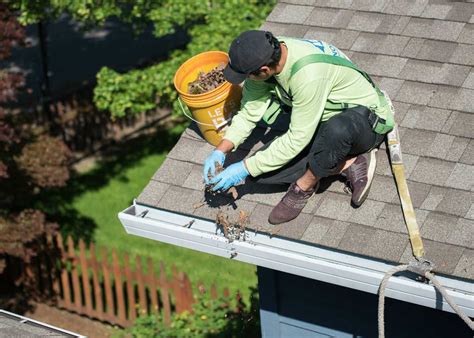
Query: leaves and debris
x,y
233,231
231,190
206,82
189,224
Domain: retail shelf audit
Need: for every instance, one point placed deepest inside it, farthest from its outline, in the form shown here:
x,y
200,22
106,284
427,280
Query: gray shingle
x,y
440,146
393,44
335,206
180,200
173,171
383,189
463,101
401,109
317,229
387,245
262,193
432,171
383,165
467,34
456,202
457,149
381,65
443,96
341,38
194,179
433,50
410,162
462,177
463,125
335,230
418,193
356,238
369,5
433,29
290,13
332,18
438,226
468,155
334,3
391,219
469,82
406,7
391,86
193,133
413,47
367,213
462,234
400,25
301,2
297,31
422,117
453,75
372,22
463,55
152,193
460,12
416,142
434,72
422,71
293,229
435,196
367,42
465,267
436,11
188,150
416,92
380,43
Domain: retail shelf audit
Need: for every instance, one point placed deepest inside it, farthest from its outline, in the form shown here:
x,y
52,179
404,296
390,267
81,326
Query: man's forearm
x,y
225,146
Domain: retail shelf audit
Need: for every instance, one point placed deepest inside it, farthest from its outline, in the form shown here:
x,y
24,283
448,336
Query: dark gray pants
x,y
345,135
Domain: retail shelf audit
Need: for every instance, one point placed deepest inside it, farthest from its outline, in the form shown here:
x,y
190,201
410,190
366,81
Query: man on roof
x,y
338,119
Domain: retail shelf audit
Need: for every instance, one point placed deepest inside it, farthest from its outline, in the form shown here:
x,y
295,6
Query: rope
x,y
425,273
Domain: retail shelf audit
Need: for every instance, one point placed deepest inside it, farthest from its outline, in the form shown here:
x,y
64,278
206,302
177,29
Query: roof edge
x,y
297,258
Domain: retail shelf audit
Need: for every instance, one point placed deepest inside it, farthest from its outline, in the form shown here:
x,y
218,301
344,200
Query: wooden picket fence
x,y
88,284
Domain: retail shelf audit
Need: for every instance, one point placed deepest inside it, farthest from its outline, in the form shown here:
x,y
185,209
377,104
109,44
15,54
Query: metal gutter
x,y
293,257
23,322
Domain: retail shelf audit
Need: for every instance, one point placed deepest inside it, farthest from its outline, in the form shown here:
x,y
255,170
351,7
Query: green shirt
x,y
311,88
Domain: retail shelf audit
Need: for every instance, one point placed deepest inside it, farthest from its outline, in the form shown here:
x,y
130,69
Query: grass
x,y
88,208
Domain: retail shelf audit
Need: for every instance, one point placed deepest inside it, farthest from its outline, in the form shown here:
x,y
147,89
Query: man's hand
x,y
210,164
232,175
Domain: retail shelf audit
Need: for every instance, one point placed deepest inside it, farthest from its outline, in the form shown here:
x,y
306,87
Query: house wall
x,y
293,306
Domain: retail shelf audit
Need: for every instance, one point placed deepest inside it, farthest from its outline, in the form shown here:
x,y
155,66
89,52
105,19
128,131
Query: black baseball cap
x,y
247,53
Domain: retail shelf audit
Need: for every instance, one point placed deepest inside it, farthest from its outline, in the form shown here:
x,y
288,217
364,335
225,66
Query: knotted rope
x,y
423,270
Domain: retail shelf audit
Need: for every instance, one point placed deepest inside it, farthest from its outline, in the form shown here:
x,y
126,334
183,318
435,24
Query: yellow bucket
x,y
212,110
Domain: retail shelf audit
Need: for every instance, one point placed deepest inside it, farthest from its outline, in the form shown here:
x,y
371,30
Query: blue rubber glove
x,y
210,164
232,175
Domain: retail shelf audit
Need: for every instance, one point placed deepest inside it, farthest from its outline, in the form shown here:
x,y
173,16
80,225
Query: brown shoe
x,y
291,204
359,177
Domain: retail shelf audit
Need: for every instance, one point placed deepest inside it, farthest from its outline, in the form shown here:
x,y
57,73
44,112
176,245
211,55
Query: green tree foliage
x,y
210,25
210,318
28,164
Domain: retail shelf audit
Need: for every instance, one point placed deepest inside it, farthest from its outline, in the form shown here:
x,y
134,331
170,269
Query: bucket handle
x,y
219,126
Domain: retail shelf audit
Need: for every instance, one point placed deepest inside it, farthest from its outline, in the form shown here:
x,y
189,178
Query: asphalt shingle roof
x,y
421,53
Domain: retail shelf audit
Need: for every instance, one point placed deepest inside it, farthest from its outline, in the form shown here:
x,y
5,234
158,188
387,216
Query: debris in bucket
x,y
209,187
233,231
206,82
